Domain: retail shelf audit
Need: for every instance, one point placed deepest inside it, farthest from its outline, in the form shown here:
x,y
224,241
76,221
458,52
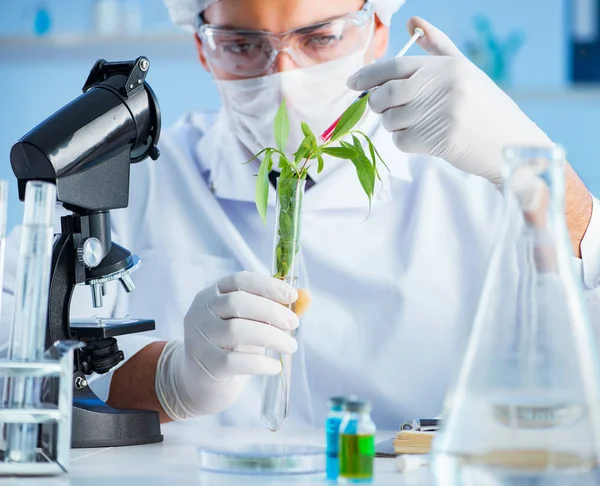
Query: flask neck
x,y
534,194
534,186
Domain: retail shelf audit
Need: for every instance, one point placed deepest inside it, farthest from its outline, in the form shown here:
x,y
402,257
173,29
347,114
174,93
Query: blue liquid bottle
x,y
332,426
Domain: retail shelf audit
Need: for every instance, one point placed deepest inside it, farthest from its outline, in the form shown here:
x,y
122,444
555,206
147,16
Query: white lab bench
x,y
173,462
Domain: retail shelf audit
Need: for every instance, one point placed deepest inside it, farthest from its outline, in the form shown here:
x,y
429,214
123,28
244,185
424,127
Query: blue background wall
x,y
38,77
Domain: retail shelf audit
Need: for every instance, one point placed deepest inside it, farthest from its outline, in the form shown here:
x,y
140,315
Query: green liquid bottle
x,y
357,444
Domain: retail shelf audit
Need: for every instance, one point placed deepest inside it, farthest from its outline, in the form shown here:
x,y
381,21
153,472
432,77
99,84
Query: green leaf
x,y
350,118
341,152
284,161
374,149
307,131
304,150
366,175
282,127
262,185
321,164
286,225
288,167
286,172
257,155
290,210
318,151
374,160
310,137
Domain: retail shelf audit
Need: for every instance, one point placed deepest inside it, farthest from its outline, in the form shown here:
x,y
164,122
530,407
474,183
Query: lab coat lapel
x,y
221,224
222,157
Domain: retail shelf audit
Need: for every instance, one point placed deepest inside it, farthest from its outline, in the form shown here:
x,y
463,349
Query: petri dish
x,y
263,459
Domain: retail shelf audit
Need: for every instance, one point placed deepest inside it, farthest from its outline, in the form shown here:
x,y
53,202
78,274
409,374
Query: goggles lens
x,y
252,53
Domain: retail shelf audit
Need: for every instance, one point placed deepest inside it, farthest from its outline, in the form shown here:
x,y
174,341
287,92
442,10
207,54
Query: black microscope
x,y
86,149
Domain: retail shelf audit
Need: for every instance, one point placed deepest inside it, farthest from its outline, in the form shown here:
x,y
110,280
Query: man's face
x,y
278,16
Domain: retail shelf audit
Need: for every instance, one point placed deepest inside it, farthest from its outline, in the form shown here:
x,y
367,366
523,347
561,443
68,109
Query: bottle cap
x,y
357,406
337,403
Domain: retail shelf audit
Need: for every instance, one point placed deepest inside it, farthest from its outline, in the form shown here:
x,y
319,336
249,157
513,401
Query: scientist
x,y
393,295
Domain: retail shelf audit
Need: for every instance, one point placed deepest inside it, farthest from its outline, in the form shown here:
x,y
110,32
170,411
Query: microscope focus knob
x,y
90,252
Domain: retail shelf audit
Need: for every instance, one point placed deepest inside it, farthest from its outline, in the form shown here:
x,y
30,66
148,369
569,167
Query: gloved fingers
x,y
399,118
247,348
257,284
397,92
379,73
224,365
253,307
238,363
233,333
435,42
408,141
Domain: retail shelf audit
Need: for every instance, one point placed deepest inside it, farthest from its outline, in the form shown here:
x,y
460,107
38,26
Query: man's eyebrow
x,y
311,28
307,29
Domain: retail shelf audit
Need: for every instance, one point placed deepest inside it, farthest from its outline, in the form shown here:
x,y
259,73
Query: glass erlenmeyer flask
x,y
524,409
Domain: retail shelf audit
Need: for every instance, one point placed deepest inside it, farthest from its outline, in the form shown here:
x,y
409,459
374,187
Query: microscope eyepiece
x,y
86,147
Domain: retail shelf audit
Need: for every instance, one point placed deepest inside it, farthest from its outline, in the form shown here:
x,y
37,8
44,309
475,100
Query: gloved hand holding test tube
x,y
326,135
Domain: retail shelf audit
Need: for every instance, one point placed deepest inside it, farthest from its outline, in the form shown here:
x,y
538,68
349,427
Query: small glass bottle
x,y
357,443
288,212
332,427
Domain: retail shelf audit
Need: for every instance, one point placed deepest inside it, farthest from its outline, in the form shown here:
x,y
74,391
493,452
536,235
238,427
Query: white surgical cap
x,y
184,12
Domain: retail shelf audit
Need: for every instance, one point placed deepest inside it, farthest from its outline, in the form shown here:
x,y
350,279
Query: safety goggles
x,y
251,53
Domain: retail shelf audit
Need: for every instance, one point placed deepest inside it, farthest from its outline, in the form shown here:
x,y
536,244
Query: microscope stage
x,y
104,327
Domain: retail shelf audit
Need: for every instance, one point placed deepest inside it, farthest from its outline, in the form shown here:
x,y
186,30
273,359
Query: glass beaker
x,y
288,212
525,405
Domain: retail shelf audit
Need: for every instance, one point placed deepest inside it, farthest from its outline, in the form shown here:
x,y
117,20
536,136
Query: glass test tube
x,y
3,211
3,218
30,313
276,389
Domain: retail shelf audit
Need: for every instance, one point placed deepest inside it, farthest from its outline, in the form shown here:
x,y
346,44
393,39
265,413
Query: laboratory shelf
x,y
583,92
30,415
84,46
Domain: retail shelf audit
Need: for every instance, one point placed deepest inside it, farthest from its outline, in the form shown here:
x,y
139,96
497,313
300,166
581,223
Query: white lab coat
x,y
394,294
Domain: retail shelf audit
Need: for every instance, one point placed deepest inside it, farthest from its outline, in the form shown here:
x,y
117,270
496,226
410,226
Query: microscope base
x,y
96,424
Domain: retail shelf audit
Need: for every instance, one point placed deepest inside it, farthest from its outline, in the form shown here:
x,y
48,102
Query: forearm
x,y
133,384
578,208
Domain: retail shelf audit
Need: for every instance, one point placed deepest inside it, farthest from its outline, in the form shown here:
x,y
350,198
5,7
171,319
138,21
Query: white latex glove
x,y
226,331
443,105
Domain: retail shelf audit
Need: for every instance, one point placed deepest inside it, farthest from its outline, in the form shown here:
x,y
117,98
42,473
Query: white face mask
x,y
317,96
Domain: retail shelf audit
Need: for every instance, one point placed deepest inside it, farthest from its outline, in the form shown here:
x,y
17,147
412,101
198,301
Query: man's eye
x,y
239,48
324,40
